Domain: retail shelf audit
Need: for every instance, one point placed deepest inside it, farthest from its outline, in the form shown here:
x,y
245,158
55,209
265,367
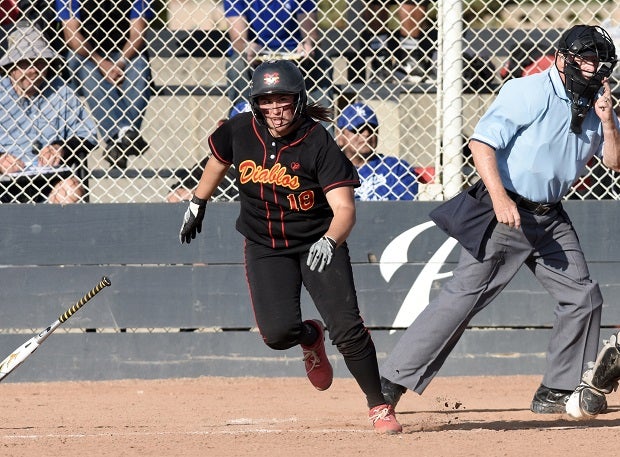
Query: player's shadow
x,y
457,420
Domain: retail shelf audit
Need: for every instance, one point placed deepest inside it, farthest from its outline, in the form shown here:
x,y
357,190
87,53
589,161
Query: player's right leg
x,y
333,292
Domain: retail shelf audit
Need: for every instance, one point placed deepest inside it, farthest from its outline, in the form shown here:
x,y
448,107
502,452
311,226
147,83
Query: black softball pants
x,y
275,278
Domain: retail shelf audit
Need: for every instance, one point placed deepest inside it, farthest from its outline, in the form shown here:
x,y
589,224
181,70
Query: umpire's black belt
x,y
539,209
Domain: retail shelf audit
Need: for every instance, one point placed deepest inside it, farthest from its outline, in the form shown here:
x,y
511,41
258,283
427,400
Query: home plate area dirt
x,y
209,416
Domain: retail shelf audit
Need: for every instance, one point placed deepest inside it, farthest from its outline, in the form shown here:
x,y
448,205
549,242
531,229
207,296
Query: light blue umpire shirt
x,y
528,125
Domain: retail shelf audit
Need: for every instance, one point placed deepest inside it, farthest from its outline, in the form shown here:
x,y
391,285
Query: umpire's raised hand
x,y
192,220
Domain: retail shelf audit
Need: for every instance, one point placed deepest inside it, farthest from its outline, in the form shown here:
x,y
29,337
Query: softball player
x,y
296,212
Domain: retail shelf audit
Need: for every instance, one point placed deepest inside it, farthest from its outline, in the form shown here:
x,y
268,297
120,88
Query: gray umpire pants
x,y
549,246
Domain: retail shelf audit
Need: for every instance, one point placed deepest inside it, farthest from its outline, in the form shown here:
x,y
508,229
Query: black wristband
x,y
199,201
331,241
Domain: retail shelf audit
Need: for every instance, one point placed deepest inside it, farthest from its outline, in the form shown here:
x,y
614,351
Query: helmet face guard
x,y
585,43
278,77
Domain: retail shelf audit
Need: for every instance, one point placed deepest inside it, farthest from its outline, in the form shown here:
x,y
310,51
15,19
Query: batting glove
x,y
321,253
192,220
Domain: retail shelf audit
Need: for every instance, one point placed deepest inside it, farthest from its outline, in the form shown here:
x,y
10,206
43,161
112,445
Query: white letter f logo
x,y
395,255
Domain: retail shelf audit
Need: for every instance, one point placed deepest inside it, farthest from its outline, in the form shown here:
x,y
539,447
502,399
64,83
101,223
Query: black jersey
x,y
282,181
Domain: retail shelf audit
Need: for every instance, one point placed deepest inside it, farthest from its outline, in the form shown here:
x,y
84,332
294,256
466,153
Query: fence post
x,y
449,93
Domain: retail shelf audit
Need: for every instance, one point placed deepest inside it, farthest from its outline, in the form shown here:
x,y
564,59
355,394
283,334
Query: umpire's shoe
x,y
550,401
391,391
318,368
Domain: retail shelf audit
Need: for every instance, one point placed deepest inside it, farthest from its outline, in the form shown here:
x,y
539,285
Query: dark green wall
x,y
176,310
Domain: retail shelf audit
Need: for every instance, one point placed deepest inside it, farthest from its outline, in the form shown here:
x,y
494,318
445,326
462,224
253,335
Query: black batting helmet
x,y
278,77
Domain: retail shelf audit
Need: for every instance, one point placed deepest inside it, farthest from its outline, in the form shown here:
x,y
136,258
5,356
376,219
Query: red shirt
x,y
540,64
9,12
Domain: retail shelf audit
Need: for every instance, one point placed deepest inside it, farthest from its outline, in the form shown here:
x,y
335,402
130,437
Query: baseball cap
x,y
356,115
26,43
241,107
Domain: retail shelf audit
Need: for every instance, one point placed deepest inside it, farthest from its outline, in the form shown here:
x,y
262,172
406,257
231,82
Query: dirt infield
x,y
457,416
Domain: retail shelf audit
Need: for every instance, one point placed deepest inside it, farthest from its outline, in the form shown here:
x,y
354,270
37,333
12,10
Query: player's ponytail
x,y
319,112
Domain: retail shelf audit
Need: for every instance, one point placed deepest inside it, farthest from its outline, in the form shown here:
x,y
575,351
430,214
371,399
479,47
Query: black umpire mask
x,y
583,42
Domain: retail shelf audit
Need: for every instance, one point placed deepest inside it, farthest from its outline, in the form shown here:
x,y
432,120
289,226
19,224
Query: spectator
x,y
381,177
527,58
183,190
42,14
45,132
108,57
409,54
288,29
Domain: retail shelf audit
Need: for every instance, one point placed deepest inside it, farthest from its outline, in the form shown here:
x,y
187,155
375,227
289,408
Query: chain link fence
x,y
427,69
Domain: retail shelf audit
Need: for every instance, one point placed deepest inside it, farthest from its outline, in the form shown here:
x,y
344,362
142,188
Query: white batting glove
x,y
321,254
192,220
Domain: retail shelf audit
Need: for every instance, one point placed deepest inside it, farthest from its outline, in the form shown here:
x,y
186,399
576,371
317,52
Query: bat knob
x,y
105,281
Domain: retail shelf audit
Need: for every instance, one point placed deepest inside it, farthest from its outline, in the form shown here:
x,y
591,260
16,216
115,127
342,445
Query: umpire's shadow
x,y
562,422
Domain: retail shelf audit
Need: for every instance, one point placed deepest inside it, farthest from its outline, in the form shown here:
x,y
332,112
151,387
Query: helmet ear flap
x,y
302,103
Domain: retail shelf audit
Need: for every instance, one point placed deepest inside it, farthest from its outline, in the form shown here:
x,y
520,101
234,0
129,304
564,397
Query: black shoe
x,y
132,143
391,391
550,401
412,64
115,156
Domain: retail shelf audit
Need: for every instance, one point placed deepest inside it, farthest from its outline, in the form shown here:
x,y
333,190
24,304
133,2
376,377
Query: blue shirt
x,y
55,115
273,24
528,125
386,178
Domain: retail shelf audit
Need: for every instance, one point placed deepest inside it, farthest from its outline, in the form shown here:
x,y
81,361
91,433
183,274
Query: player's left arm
x,y
611,135
342,202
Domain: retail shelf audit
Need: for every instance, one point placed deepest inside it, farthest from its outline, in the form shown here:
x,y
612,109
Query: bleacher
x,y
188,69
189,86
187,48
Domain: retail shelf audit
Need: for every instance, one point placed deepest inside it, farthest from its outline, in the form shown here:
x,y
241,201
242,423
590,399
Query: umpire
x,y
529,148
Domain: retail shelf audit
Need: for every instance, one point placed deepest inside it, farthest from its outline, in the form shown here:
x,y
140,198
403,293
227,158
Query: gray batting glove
x,y
321,254
192,220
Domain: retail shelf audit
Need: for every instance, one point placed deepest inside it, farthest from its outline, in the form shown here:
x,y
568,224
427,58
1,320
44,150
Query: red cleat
x,y
318,368
384,420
